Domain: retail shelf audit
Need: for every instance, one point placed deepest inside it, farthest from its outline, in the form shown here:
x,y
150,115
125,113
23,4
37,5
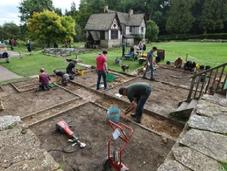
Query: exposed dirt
x,y
163,99
172,75
88,121
22,104
89,79
159,125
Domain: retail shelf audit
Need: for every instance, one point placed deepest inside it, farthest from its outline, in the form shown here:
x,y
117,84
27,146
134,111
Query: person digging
x,y
137,94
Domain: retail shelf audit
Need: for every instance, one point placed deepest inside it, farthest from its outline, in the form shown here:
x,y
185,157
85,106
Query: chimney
x,y
130,12
106,9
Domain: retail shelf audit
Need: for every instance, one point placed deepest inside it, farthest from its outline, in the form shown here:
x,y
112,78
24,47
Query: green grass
x,y
89,58
223,166
30,65
204,53
212,53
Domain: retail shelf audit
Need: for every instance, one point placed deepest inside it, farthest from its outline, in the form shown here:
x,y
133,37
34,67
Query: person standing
x,y
29,46
137,94
150,63
101,67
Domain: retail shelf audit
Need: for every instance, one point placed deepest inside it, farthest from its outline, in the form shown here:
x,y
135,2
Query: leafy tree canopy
x,y
50,28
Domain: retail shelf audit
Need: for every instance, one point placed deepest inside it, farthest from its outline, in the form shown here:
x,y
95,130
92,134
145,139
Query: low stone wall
x,y
203,144
60,51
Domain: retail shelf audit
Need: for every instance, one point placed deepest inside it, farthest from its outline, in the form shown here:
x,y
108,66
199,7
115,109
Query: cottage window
x,y
102,35
142,29
130,29
114,34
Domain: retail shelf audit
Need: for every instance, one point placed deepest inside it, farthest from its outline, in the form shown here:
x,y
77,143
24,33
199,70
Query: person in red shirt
x,y
101,67
43,80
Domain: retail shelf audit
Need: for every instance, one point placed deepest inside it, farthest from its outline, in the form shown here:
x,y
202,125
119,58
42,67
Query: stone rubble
x,y
8,121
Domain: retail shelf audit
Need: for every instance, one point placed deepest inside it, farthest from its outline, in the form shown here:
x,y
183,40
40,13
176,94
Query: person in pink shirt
x,y
101,67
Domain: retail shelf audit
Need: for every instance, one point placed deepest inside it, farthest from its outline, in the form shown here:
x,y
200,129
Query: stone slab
x,y
206,123
195,160
20,150
172,165
7,74
8,121
209,109
211,144
217,99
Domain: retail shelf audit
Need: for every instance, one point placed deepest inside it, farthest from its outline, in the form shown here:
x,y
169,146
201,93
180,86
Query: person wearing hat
x,y
137,94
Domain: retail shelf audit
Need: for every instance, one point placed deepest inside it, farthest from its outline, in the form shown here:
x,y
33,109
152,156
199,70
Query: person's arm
x,y
130,108
106,66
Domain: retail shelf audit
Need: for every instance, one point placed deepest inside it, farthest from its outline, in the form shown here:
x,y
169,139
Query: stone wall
x,y
60,51
203,144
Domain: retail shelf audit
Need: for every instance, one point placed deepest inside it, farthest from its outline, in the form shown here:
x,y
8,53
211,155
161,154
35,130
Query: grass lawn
x,y
30,65
205,53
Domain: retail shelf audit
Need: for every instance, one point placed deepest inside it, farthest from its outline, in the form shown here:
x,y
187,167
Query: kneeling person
x,y
137,94
43,80
62,76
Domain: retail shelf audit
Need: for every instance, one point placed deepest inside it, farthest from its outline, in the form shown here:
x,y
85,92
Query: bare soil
x,y
172,75
88,122
22,104
163,99
163,126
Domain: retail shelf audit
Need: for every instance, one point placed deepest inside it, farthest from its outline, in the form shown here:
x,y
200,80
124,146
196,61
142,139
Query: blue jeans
x,y
140,104
151,68
103,75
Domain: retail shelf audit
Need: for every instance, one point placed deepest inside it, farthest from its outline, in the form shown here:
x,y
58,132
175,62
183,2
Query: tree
x,y
152,31
11,30
213,15
180,18
50,28
28,7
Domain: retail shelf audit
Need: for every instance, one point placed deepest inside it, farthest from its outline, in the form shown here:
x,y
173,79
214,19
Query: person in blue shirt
x,y
150,59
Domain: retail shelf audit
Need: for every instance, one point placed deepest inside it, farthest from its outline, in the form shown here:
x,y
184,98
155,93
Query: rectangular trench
x,y
146,150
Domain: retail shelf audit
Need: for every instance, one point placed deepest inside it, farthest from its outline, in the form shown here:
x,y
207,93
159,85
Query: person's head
x,y
104,52
42,70
154,49
123,91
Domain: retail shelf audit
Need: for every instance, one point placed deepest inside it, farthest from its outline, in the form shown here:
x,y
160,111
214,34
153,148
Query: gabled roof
x,y
133,20
101,21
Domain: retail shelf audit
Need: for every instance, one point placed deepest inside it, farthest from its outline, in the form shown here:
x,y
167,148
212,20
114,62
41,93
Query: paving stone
x,y
211,144
8,121
195,160
206,123
172,165
20,150
215,99
209,109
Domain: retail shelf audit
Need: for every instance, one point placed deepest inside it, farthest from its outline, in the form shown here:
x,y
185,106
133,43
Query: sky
x,y
9,9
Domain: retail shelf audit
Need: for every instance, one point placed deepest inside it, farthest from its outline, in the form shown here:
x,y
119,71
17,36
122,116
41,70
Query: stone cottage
x,y
111,28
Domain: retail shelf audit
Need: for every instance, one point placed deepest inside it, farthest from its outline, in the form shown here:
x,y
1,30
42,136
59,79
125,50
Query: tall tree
x,y
213,15
50,28
152,31
180,18
28,7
